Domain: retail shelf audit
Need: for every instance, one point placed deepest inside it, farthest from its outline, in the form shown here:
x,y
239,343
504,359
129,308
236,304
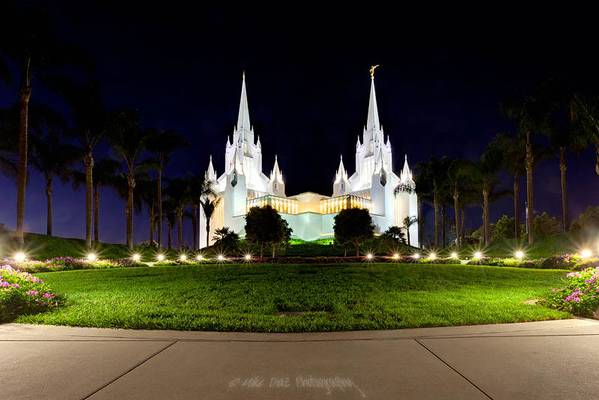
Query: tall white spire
x,y
211,172
341,172
243,119
373,112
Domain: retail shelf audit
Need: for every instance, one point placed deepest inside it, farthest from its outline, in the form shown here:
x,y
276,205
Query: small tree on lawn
x,y
264,225
407,223
353,225
226,240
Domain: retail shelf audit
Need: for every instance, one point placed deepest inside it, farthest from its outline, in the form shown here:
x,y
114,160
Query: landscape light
x,y
136,257
477,255
247,257
416,256
586,253
369,256
91,257
19,256
199,257
454,255
220,257
183,257
396,256
160,257
519,254
432,256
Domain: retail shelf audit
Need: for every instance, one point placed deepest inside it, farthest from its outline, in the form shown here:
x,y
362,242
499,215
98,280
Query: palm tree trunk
x,y
420,223
129,211
517,207
456,213
96,214
486,226
529,187
24,96
170,236
159,200
408,236
274,246
436,221
49,205
208,231
462,223
180,228
443,224
152,218
194,225
88,162
563,168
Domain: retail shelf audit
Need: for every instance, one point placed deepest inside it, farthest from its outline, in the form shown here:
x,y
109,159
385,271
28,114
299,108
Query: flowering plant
x,y
23,293
580,295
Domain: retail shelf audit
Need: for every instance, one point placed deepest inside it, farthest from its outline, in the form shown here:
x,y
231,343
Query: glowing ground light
x,y
454,255
519,254
183,257
19,256
199,257
396,256
91,257
416,256
247,257
220,257
160,257
369,256
586,253
432,256
477,255
136,257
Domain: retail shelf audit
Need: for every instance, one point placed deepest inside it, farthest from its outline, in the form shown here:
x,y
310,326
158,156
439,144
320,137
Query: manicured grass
x,y
285,298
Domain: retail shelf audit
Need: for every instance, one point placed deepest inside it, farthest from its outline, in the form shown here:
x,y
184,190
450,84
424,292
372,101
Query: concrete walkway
x,y
538,360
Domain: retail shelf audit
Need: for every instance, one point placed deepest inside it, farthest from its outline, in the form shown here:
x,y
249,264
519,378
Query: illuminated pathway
x,y
538,360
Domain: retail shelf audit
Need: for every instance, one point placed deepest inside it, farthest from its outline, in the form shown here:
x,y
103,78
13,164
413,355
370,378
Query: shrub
x,y
353,226
588,221
545,225
23,293
580,296
226,240
504,228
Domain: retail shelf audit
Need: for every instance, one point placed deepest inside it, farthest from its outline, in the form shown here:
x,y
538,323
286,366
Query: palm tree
x,y
33,49
487,181
407,223
587,108
147,192
163,144
89,119
209,202
52,158
434,172
513,159
129,141
529,115
459,180
177,191
171,218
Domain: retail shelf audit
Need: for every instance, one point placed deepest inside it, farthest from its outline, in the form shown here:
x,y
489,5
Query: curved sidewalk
x,y
536,360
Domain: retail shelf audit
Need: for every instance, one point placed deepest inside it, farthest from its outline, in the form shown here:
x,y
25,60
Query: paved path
x,y
538,360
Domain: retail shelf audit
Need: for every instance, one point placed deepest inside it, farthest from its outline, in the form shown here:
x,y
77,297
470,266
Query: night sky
x,y
439,86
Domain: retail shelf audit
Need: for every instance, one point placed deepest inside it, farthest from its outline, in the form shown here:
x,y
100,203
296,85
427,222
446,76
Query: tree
x,y
264,225
52,158
146,188
177,192
485,178
432,176
209,202
35,51
528,114
395,234
459,180
587,107
163,144
171,218
129,141
353,225
89,118
407,223
226,240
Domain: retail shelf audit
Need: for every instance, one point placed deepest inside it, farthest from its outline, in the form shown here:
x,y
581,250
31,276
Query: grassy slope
x,y
332,297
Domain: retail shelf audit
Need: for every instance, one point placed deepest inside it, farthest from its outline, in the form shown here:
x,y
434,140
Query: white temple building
x,y
243,185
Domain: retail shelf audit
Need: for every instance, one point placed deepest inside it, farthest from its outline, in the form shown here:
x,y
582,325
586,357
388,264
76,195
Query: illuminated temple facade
x,y
372,186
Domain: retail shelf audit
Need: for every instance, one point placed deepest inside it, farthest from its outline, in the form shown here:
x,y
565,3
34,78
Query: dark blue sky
x,y
439,85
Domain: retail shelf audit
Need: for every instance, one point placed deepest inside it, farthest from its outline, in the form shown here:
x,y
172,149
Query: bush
x,y
588,221
504,228
226,240
580,295
23,293
545,225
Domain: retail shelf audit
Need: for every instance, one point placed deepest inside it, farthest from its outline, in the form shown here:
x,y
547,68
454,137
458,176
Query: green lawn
x,y
285,298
